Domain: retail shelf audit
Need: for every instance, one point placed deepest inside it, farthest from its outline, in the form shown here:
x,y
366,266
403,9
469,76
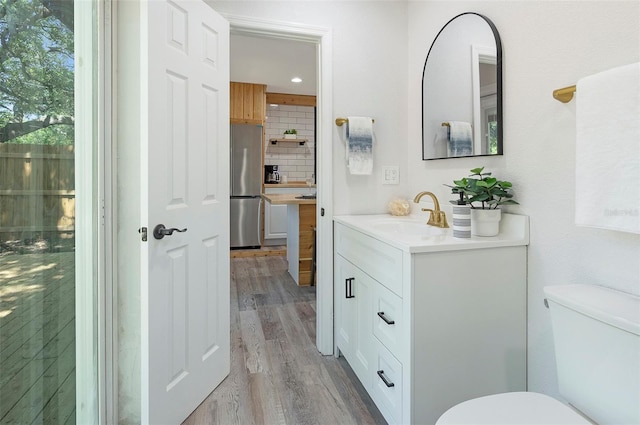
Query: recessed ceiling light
x,y
296,80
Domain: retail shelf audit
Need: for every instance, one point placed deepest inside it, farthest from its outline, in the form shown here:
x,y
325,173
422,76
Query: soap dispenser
x,y
461,218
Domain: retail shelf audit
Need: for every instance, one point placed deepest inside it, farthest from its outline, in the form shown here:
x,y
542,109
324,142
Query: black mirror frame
x,y
496,36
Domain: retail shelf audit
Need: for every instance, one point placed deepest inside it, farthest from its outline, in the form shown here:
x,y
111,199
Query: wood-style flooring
x,y
277,375
37,338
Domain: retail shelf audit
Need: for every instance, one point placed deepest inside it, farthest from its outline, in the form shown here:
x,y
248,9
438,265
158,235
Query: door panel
x,y
186,354
275,221
354,299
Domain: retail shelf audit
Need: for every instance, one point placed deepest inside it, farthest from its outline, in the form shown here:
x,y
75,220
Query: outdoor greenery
x,y
36,71
481,188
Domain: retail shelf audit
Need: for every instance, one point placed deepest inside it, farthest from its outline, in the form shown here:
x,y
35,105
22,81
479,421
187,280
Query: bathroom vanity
x,y
426,320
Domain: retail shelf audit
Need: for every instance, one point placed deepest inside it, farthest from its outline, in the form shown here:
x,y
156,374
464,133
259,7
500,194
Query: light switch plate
x,y
390,174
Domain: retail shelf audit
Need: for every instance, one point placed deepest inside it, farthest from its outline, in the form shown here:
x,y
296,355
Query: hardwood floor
x,y
277,375
37,338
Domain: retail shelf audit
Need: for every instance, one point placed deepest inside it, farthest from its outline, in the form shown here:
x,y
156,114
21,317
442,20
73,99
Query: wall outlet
x,y
390,174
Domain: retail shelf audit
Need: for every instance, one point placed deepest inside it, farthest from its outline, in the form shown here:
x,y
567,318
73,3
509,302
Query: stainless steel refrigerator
x,y
246,184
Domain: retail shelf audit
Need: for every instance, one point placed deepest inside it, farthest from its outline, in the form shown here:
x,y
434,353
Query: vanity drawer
x,y
387,320
378,259
387,384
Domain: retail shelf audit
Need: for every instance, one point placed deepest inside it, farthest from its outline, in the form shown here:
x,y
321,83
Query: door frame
x,y
322,37
93,260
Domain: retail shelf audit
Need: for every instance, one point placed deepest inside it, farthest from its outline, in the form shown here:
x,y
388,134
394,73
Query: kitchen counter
x,y
287,185
286,199
301,225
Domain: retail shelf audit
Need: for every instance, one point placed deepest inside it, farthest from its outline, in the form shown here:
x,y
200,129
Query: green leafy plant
x,y
36,72
291,131
486,191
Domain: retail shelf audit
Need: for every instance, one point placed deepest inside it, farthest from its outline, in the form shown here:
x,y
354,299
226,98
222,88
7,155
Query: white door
x,y
187,353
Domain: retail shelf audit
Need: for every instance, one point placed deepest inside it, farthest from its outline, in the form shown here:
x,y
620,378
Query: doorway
x,y
321,38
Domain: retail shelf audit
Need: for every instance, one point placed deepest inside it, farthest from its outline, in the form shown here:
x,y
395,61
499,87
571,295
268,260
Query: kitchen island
x,y
301,223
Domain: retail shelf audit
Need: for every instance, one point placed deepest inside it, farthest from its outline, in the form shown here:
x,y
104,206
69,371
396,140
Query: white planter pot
x,y
290,136
485,222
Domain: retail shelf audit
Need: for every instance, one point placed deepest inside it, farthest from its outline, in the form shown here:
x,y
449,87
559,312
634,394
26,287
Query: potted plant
x,y
484,194
290,134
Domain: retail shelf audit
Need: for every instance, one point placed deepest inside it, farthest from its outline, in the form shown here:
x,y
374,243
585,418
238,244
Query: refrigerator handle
x,y
260,219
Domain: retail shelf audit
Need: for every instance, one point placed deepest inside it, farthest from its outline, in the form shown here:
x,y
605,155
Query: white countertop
x,y
407,234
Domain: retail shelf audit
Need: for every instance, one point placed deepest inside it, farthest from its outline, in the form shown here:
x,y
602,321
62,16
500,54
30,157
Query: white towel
x,y
460,139
608,150
360,145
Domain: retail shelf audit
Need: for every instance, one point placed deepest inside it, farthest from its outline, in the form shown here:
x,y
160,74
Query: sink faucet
x,y
437,218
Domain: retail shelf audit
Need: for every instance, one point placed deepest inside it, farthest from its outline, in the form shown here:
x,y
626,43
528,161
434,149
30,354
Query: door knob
x,y
160,231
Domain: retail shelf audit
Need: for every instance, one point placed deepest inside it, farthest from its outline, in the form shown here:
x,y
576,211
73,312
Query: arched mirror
x,y
462,90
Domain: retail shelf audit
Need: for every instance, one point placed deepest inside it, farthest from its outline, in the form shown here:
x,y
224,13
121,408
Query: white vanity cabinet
x,y
355,311
424,331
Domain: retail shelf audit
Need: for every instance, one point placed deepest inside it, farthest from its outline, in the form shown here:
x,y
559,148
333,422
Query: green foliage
x,y
36,73
291,131
480,187
53,135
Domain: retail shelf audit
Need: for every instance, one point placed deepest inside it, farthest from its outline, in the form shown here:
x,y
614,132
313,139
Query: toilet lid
x,y
517,408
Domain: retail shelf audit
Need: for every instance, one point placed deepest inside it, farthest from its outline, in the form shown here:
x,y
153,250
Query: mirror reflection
x,y
462,90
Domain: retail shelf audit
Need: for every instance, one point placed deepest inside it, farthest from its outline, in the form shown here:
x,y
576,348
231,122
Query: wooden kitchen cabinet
x,y
248,103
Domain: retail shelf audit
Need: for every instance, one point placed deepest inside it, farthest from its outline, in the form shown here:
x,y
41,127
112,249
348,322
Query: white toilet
x,y
596,333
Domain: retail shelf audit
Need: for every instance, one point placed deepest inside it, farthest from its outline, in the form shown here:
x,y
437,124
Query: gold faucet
x,y
437,218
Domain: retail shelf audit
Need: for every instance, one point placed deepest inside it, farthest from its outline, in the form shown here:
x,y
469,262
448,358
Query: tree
x,y
36,70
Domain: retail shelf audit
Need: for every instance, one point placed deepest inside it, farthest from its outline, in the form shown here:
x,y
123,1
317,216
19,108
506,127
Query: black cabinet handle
x,y
383,317
388,383
348,287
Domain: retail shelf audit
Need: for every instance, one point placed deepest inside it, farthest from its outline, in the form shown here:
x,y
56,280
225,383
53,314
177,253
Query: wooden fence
x,y
37,192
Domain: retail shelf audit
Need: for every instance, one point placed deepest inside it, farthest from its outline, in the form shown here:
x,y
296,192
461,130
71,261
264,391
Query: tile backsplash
x,y
294,161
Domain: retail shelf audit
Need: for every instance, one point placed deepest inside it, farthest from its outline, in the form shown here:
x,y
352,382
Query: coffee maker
x,y
271,174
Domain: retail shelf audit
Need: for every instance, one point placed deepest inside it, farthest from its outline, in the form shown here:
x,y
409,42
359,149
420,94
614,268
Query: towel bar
x,y
446,124
564,94
340,121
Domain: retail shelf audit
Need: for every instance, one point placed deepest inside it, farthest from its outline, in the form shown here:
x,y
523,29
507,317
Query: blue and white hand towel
x,y
460,139
360,145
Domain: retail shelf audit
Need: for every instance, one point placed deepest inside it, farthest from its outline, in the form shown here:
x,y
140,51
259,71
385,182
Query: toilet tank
x,y
596,333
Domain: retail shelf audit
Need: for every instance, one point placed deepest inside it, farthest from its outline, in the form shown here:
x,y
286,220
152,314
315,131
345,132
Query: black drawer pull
x,y
383,317
384,379
348,287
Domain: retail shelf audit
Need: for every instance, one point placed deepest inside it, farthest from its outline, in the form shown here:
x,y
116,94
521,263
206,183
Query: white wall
x,y
369,78
546,45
